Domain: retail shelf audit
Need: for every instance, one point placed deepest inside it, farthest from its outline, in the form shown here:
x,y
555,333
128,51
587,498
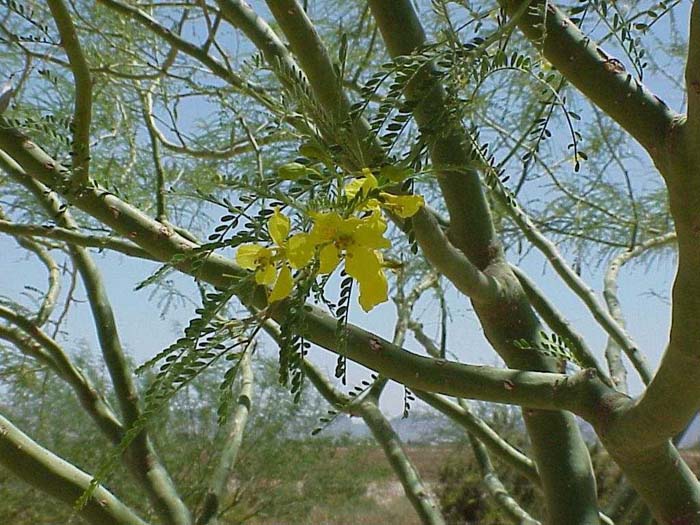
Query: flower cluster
x,y
274,264
333,238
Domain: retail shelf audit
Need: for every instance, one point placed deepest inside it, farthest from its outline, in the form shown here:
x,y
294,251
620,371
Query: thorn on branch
x,y
613,65
375,344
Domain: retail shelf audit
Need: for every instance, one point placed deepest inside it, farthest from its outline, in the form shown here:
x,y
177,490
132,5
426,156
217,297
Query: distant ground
x,y
383,502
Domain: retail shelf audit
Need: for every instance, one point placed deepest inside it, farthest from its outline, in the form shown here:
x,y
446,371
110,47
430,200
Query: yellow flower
x,y
402,205
284,285
287,253
364,184
260,259
357,239
365,266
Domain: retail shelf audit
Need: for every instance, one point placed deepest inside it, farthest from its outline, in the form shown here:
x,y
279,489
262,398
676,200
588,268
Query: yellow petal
x,y
284,285
326,226
248,255
353,187
365,266
279,226
362,263
363,184
328,258
370,232
403,205
300,250
369,182
373,291
266,274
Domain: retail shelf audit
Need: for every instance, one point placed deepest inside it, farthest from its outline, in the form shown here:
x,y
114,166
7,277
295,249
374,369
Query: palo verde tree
x,y
350,152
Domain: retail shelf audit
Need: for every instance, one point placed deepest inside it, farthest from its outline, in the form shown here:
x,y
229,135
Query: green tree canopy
x,y
298,159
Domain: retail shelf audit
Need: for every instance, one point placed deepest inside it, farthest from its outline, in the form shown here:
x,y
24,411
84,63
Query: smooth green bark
x,y
82,80
58,478
617,370
514,512
54,273
233,439
562,458
74,237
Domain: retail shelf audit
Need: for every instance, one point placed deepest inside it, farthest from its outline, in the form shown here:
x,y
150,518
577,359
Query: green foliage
x,y
231,154
293,347
281,475
41,404
551,345
460,489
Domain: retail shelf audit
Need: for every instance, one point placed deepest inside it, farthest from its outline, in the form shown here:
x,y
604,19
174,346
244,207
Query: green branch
x,y
597,75
39,345
622,503
82,113
59,479
692,72
312,56
54,272
361,148
451,262
485,434
496,489
548,391
677,498
26,345
74,237
558,323
612,350
233,438
240,15
161,206
314,74
575,284
424,340
471,227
